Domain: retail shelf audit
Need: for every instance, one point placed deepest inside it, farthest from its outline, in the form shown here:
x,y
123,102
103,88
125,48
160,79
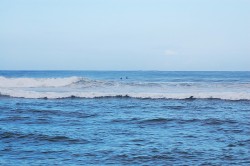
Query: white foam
x,y
58,95
36,82
54,88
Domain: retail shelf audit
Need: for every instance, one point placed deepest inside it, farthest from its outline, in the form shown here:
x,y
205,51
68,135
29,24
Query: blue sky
x,y
125,34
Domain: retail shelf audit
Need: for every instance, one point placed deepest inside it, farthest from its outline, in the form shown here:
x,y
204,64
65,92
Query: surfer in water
x,y
125,78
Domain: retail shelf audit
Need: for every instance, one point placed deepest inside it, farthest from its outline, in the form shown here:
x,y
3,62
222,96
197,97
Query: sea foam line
x,y
60,95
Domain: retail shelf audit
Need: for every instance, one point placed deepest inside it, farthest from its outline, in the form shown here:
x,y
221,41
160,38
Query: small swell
x,y
240,143
140,159
156,121
213,121
132,120
173,107
209,121
77,114
15,118
186,121
57,138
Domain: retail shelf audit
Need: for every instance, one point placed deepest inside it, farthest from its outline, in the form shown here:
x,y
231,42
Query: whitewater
x,y
134,87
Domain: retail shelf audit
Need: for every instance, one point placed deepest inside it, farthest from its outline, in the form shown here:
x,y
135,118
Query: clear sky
x,y
125,34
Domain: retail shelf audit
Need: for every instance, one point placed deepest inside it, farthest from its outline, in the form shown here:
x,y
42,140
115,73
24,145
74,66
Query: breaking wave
x,y
80,87
36,82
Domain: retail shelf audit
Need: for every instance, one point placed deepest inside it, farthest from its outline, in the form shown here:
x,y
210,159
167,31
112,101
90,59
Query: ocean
x,y
124,118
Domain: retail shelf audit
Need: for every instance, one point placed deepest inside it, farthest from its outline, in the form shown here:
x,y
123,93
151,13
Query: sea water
x,y
124,118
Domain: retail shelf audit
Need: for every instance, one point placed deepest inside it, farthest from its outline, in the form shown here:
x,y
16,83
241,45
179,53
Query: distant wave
x,y
79,82
37,82
80,87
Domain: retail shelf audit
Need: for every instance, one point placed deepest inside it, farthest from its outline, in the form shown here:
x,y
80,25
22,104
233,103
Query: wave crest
x,y
80,87
37,82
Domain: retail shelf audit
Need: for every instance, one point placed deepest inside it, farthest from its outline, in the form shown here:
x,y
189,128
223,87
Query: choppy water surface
x,y
122,130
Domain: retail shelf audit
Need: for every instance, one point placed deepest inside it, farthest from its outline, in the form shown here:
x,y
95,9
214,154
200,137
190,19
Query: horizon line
x,y
127,70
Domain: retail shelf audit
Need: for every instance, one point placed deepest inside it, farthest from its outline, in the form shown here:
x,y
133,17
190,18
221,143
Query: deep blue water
x,y
96,118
